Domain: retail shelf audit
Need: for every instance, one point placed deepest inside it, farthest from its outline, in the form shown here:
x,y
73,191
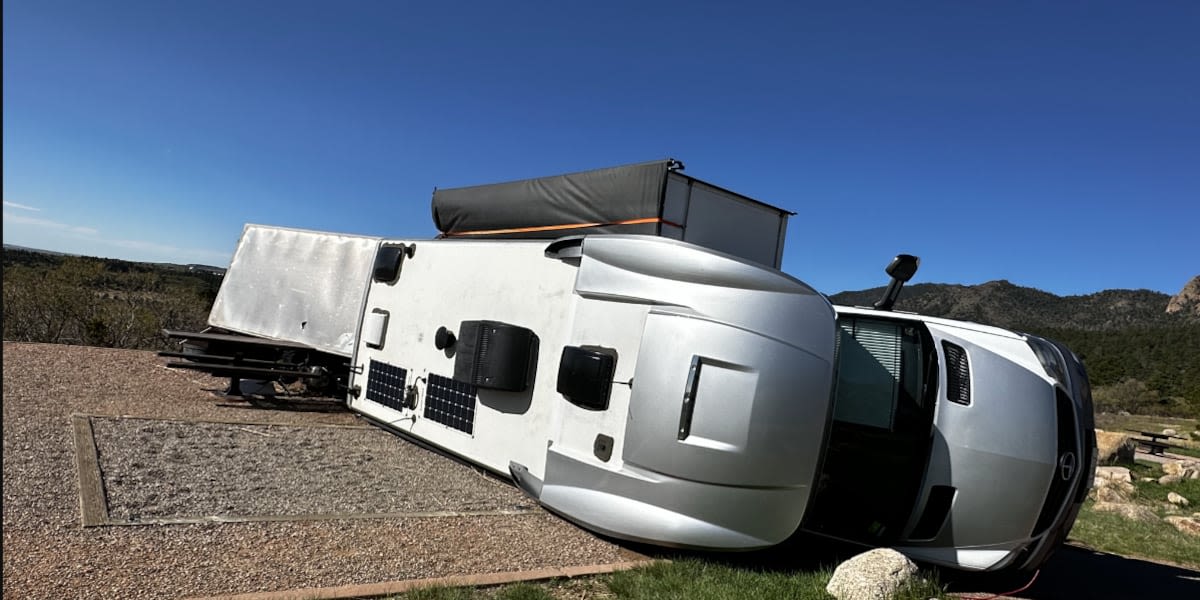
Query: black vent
x,y
495,355
958,374
585,376
1068,466
937,508
451,403
386,385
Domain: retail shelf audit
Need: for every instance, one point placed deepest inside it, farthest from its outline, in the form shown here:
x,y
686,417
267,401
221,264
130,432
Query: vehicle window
x,y
879,370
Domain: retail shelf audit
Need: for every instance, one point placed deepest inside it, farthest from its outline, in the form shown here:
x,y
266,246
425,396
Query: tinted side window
x,y
879,371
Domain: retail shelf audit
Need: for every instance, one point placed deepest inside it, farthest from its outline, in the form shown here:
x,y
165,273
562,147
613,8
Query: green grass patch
x,y
1156,540
1153,494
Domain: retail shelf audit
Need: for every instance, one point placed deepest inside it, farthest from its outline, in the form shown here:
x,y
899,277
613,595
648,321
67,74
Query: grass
x,y
1121,423
689,578
1157,540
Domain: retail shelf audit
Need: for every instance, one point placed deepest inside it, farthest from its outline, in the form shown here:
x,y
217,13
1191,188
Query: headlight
x,y
1051,360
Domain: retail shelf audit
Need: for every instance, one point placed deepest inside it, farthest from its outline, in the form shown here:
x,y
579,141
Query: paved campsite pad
x,y
163,471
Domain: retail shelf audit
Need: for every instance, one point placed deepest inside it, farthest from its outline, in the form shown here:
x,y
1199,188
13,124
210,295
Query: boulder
x,y
1177,499
872,575
1114,447
1113,474
1111,490
1133,512
1185,469
1188,525
1169,479
1173,467
1169,431
1113,493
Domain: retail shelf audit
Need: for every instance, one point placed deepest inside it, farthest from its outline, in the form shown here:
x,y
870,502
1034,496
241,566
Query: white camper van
x,y
624,345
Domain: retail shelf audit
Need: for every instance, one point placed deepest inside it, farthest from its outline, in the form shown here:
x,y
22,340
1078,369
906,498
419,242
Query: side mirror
x,y
902,268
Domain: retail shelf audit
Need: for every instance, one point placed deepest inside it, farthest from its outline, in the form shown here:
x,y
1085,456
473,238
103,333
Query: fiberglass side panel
x,y
444,283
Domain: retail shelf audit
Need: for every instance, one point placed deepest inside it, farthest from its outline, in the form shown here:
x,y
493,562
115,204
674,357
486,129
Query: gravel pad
x,y
156,471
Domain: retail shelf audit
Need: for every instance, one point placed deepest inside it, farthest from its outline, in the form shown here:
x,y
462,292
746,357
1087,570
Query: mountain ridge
x,y
1005,304
1139,340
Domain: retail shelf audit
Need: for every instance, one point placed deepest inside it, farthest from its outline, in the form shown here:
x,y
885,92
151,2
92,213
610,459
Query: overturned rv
x,y
624,345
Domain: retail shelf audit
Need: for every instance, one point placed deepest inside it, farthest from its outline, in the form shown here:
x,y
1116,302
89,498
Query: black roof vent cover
x,y
494,355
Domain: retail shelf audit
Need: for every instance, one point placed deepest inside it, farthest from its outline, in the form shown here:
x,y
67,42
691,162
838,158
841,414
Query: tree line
x,y
101,302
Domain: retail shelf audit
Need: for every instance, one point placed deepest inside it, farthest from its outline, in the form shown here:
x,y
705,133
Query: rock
x,y
1170,431
1113,447
1169,479
872,575
1111,490
1114,493
1177,499
1188,525
1114,474
1133,512
1123,413
1173,467
1187,300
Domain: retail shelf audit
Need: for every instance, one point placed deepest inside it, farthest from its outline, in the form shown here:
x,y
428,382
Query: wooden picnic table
x,y
1155,445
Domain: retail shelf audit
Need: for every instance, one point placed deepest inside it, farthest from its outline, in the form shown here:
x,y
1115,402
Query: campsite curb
x,y
399,587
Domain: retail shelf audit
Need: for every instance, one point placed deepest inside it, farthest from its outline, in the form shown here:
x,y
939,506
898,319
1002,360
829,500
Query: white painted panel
x,y
446,282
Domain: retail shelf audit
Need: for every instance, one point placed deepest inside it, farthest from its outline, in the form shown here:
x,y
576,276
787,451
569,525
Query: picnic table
x,y
1154,445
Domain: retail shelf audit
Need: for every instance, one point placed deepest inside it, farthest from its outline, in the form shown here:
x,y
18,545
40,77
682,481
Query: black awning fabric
x,y
551,207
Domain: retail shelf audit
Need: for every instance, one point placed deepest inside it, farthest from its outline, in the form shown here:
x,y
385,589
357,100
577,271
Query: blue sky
x,y
1053,144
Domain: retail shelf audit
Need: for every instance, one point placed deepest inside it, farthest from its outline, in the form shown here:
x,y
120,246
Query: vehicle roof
x,y
969,325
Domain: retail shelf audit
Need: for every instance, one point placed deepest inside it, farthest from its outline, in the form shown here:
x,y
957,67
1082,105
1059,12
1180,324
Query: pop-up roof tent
x,y
652,198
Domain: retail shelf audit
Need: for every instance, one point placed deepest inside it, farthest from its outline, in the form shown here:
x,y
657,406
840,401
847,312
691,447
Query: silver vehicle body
x,y
1006,469
678,388
718,401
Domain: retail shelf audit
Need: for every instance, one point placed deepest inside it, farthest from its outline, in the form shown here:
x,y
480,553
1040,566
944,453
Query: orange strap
x,y
561,227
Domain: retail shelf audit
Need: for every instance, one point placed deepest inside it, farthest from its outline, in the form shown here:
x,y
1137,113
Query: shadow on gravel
x,y
282,403
1071,573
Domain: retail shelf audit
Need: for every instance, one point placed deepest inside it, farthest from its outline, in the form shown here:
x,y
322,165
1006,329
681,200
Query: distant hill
x,y
1143,345
37,250
1012,306
27,254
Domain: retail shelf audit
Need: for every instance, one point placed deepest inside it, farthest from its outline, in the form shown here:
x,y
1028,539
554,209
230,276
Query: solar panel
x,y
451,403
386,385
